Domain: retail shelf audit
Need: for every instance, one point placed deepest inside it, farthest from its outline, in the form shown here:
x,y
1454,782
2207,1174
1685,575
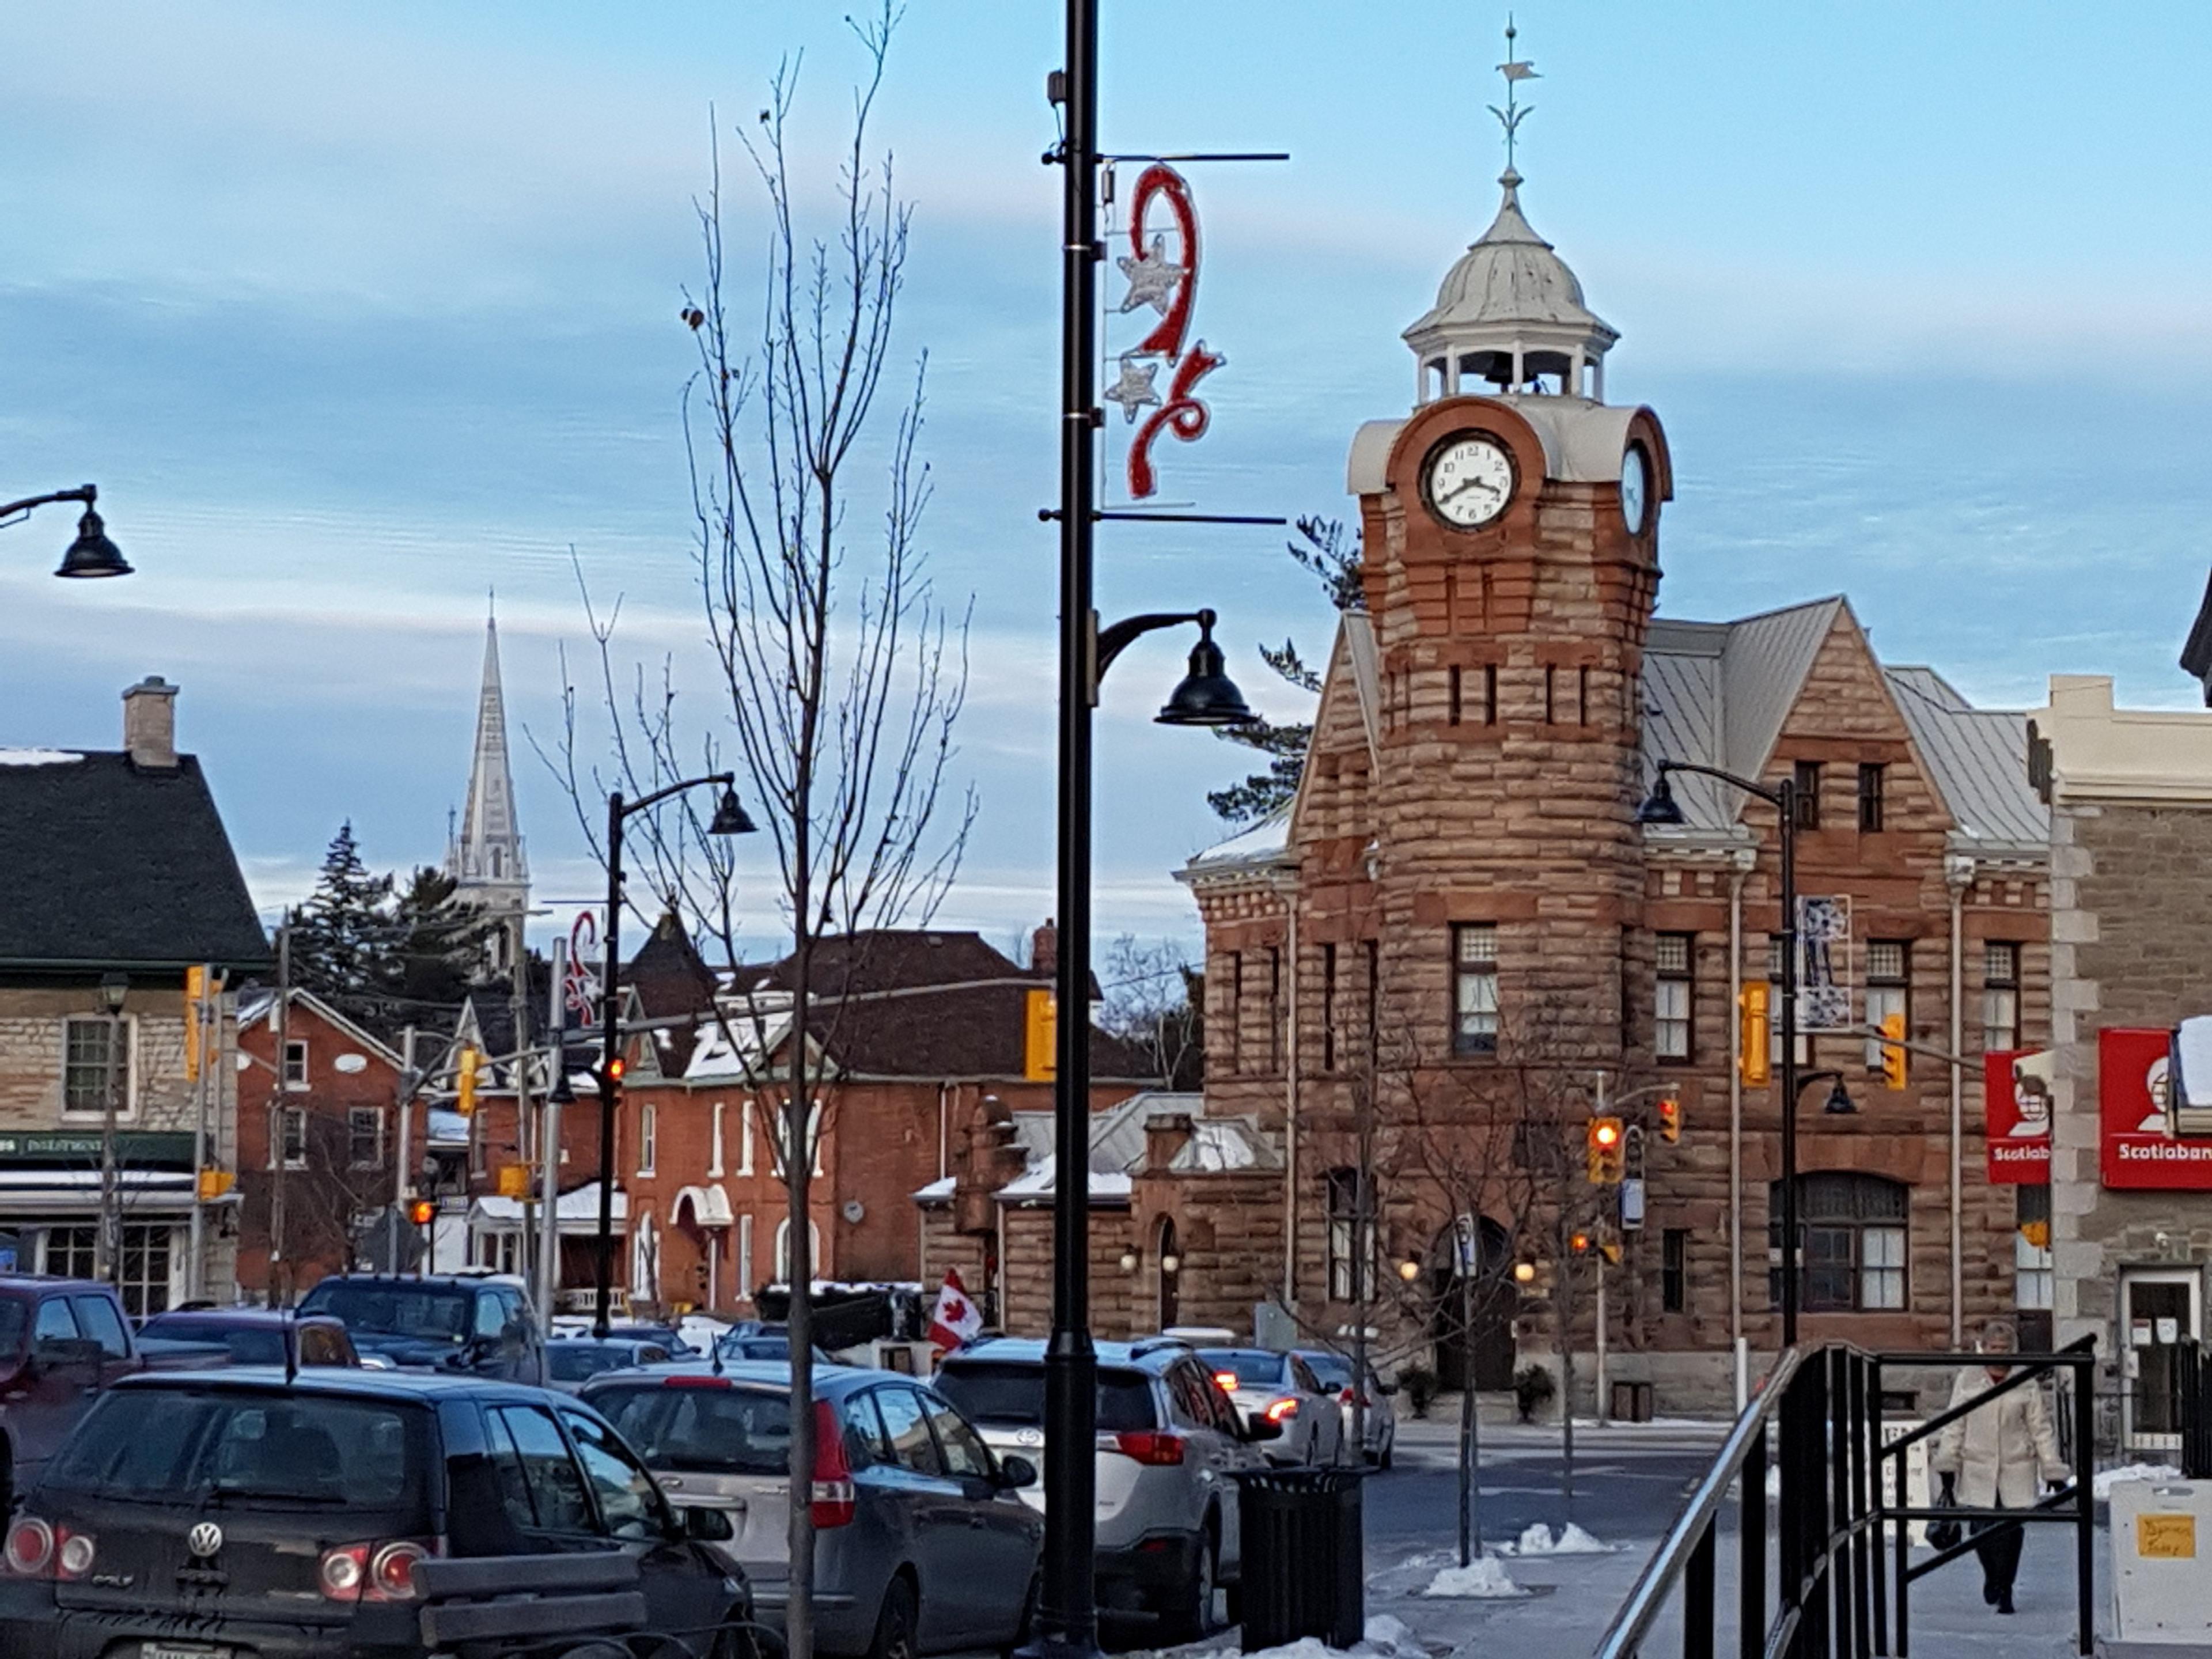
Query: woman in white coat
x,y
1993,1457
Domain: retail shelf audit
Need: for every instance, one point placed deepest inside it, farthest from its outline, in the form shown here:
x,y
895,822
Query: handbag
x,y
1947,1532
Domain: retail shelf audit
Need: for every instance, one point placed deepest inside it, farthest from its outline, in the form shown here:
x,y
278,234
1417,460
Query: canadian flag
x,y
955,1319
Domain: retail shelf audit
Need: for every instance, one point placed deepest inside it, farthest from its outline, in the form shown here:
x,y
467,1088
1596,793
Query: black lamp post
x,y
729,819
1660,807
91,553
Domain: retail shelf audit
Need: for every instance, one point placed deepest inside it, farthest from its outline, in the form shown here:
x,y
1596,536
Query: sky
x,y
358,312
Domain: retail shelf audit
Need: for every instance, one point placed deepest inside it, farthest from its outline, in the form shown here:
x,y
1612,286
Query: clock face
x,y
1635,488
1469,480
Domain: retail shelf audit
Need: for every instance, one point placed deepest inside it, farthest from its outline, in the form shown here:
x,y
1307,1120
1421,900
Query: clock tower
x,y
1511,527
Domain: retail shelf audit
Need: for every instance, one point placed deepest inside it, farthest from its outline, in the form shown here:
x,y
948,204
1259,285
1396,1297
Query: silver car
x,y
1282,1389
1334,1372
1169,1445
922,1544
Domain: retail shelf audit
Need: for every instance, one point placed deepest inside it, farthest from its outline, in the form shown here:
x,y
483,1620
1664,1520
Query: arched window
x,y
1851,1232
783,1249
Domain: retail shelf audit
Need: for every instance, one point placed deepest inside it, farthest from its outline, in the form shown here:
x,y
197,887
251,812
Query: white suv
x,y
1170,1444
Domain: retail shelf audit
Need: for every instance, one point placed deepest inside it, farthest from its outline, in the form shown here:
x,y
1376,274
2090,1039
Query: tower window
x,y
1453,696
1474,988
1888,987
1490,693
1870,792
1551,678
1329,1007
1582,696
1673,1270
1673,996
2000,995
1807,777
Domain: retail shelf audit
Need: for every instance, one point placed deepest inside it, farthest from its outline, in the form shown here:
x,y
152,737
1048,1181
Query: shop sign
x,y
2136,1146
135,1148
2016,1095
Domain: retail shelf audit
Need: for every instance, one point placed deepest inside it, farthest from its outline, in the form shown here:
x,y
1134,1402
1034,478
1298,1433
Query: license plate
x,y
181,1650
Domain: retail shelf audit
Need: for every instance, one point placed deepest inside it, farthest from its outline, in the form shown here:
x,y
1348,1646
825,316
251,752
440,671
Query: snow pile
x,y
38,757
1386,1638
1572,1541
2107,1479
1484,1579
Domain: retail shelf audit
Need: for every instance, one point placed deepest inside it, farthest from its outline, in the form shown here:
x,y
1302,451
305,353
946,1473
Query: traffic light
x,y
1670,1118
1610,1249
422,1211
615,1069
1892,1052
465,1088
1606,1151
1754,1033
1579,1244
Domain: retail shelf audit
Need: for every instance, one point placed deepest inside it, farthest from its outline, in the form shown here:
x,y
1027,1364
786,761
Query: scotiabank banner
x,y
2016,1099
2136,1147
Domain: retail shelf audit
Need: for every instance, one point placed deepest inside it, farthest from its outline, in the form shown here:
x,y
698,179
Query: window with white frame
x,y
745,1138
715,1141
648,1138
365,1137
1851,1242
2033,1280
778,1120
1474,988
1673,993
745,1284
2000,996
96,1059
645,1261
1888,988
295,1063
291,1127
783,1249
1346,1230
143,1271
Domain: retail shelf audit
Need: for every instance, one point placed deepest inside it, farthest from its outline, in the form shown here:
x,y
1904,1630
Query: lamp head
x,y
1660,806
1840,1102
114,989
1409,1270
1208,696
92,554
1525,1273
729,819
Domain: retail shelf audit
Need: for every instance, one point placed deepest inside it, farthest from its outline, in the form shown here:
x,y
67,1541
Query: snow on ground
x,y
1386,1638
2107,1479
1483,1579
1572,1541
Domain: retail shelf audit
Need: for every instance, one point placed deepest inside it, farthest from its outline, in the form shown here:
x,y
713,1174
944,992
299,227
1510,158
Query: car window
x,y
14,1319
491,1316
1303,1374
551,1486
97,1318
629,1501
865,1439
709,1430
1191,1397
1333,1370
907,1430
1252,1367
575,1362
56,1322
385,1307
997,1391
960,1446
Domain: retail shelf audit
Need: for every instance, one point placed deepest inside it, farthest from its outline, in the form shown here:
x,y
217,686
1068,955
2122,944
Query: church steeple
x,y
485,856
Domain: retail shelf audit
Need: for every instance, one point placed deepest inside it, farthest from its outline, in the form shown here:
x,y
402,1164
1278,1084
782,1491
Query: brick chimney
x,y
1044,949
149,724
1165,1135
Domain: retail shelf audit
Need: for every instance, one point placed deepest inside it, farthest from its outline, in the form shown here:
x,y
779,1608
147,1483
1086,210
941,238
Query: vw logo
x,y
1030,1438
203,1539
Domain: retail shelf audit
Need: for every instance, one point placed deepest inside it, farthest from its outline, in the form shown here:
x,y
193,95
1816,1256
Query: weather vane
x,y
1516,71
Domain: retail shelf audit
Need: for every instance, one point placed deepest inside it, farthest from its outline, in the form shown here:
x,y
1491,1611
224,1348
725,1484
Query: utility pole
x,y
549,1217
204,1027
402,1158
114,990
1469,1251
519,1001
279,1114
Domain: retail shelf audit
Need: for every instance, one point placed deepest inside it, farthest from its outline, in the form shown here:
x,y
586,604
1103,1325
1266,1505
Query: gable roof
x,y
106,865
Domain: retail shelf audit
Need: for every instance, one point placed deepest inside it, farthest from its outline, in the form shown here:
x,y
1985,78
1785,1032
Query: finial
x,y
1516,71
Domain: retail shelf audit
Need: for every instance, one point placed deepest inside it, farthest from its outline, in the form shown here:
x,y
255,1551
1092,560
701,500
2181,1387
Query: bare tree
x,y
838,676
1152,1000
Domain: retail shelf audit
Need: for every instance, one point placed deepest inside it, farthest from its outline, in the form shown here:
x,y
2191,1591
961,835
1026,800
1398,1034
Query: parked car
x,y
62,1341
921,1542
1169,1445
764,1346
459,1322
234,1512
247,1336
574,1361
1282,1388
1333,1371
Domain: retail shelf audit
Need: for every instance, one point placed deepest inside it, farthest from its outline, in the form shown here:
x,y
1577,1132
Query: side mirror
x,y
1258,1425
1016,1471
705,1526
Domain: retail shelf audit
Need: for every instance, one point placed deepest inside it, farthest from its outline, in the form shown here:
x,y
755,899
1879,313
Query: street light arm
x,y
1110,642
728,779
15,510
1773,796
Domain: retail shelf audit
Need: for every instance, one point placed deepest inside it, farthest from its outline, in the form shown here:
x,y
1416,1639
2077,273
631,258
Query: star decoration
x,y
1134,389
1153,278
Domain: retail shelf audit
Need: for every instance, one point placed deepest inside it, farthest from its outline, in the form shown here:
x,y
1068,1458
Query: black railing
x,y
1827,1588
2193,1409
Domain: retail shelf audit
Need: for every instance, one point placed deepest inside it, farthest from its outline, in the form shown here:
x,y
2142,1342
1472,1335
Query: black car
x,y
236,1513
249,1336
456,1324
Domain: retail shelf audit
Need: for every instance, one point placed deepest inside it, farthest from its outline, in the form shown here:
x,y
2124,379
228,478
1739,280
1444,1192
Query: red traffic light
x,y
616,1067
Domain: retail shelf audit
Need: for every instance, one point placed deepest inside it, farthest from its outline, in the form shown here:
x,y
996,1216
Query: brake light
x,y
1225,1381
30,1548
370,1571
1152,1446
833,1498
708,1381
1282,1410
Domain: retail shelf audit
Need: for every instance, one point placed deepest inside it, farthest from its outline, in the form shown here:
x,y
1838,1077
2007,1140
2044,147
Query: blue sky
x,y
355,310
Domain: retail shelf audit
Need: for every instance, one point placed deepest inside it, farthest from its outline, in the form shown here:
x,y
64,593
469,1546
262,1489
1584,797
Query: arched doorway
x,y
1484,1343
1167,1259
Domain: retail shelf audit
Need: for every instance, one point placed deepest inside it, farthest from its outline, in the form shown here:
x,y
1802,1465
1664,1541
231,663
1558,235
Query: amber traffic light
x,y
465,1087
616,1067
422,1211
1753,1029
1892,1052
1606,1151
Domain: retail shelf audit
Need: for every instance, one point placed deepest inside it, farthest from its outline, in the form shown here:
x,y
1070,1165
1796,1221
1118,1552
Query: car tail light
x,y
371,1571
1352,1397
1281,1411
1225,1381
30,1548
74,1553
833,1497
708,1381
1152,1446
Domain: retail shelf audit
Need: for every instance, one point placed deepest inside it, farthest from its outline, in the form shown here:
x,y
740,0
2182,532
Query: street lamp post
x,y
729,819
91,555
114,990
1661,808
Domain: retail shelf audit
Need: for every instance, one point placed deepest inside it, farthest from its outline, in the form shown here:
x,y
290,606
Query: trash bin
x,y
1632,1402
1305,1556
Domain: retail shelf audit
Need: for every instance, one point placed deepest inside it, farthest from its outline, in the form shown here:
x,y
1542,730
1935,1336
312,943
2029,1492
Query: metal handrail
x,y
1690,1532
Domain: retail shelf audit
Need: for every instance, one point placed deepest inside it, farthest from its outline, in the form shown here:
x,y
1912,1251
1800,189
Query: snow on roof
x,y
38,757
938,1189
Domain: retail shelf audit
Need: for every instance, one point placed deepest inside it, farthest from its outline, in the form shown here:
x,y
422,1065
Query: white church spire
x,y
485,856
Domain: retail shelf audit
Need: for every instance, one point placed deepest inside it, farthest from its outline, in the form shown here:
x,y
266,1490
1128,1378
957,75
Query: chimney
x,y
149,724
1165,1134
1044,949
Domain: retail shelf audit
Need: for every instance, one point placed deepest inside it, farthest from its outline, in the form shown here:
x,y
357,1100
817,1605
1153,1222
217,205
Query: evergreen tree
x,y
1332,556
342,938
441,943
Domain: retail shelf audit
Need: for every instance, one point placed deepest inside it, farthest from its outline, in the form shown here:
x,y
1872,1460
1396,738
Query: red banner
x,y
2135,1146
2016,1099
